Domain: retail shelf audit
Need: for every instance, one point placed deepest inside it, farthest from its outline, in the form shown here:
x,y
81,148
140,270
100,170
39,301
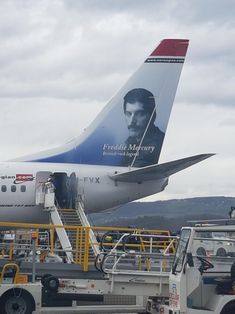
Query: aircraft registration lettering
x,y
95,180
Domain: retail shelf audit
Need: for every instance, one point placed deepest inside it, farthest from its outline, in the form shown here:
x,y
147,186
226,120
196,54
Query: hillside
x,y
170,214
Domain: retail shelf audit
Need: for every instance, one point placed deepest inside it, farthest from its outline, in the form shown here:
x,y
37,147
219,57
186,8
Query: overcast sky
x,y
62,60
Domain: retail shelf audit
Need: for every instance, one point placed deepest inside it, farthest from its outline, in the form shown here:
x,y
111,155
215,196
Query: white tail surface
x,y
131,128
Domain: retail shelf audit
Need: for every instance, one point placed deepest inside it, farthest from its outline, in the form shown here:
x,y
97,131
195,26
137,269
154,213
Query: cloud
x,y
193,130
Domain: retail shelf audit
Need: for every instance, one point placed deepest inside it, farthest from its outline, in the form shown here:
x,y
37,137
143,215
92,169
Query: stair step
x,y
71,217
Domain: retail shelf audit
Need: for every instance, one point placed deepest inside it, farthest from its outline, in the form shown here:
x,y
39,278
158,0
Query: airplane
x,y
115,160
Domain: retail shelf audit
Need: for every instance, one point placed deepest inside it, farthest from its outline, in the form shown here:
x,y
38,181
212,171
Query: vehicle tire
x,y
201,251
233,271
52,283
221,252
229,308
17,301
44,278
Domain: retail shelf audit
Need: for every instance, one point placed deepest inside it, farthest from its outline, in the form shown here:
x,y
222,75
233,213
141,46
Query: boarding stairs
x,y
68,217
77,217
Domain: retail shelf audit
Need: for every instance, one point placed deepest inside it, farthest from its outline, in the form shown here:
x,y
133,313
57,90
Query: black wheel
x,y
221,252
44,278
201,251
233,271
17,301
52,283
229,308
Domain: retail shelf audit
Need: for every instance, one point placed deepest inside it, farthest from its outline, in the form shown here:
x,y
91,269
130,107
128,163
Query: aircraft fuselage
x,y
19,182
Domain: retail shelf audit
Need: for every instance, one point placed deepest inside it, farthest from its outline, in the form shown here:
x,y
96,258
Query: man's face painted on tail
x,y
137,119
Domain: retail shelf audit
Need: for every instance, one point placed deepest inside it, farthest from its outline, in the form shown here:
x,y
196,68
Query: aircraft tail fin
x,y
131,128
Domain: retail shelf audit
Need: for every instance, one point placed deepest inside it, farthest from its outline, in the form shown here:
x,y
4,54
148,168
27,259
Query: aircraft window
x,y
23,188
3,188
13,188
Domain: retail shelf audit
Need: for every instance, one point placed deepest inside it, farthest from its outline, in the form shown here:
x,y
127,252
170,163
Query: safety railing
x,y
109,239
137,251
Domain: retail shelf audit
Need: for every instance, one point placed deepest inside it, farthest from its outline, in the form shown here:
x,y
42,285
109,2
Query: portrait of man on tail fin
x,y
145,138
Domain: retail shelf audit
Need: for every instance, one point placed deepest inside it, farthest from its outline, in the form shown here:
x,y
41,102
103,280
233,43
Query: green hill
x,y
170,214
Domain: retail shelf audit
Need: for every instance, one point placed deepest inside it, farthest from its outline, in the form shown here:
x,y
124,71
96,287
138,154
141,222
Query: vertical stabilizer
x,y
131,128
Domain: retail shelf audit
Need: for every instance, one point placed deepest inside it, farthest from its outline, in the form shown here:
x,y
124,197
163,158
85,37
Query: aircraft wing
x,y
159,171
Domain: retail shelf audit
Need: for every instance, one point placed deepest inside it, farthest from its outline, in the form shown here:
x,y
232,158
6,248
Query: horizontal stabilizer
x,y
159,171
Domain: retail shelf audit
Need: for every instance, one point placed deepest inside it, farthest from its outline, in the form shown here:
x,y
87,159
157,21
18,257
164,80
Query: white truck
x,y
204,283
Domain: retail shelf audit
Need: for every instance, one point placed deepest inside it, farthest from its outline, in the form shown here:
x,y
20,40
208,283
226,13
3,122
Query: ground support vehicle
x,y
133,267
46,296
202,284
126,272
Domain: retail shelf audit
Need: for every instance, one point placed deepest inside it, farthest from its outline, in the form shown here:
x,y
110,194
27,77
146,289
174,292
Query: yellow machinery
x,y
11,274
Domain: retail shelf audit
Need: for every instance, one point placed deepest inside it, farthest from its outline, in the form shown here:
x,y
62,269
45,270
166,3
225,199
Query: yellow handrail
x,y
82,241
8,266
